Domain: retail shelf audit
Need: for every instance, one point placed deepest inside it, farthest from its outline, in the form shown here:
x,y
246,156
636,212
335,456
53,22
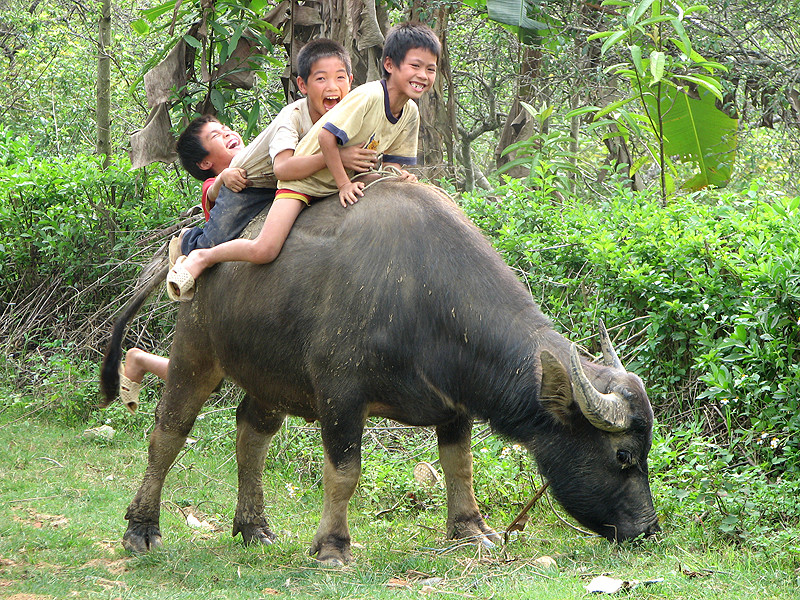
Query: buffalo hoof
x,y
255,534
331,551
474,530
142,537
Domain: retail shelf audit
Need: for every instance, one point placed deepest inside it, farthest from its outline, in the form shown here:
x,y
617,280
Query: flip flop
x,y
128,390
174,250
180,283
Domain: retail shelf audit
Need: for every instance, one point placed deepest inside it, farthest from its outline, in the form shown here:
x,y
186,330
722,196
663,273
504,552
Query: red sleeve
x,y
204,197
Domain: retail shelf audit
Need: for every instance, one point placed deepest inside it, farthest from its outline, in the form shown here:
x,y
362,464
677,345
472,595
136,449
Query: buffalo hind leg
x,y
464,520
341,438
189,383
254,431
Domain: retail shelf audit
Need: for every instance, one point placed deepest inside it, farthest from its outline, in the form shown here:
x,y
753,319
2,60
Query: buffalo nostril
x,y
652,529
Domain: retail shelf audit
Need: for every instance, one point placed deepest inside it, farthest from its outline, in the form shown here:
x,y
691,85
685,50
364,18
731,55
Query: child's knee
x,y
265,252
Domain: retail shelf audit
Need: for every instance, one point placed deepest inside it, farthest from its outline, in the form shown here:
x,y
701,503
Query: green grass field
x,y
64,494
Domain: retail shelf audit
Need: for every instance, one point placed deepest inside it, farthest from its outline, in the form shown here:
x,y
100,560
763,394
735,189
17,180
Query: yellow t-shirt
x,y
362,118
285,131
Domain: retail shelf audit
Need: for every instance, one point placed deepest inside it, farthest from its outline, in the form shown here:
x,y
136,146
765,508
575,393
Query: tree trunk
x,y
103,112
519,124
437,113
103,109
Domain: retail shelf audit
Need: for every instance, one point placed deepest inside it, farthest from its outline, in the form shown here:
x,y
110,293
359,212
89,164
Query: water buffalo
x,y
395,307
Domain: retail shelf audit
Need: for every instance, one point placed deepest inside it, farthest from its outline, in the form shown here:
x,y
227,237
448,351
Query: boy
x,y
324,77
377,116
207,150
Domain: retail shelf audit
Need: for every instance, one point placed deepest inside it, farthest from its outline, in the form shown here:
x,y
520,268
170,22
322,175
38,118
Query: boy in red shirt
x,y
245,185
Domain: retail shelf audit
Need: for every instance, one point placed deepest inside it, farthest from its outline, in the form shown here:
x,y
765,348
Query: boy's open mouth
x,y
420,87
330,101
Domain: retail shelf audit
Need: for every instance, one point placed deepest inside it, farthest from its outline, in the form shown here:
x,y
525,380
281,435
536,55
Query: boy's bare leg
x,y
264,249
138,362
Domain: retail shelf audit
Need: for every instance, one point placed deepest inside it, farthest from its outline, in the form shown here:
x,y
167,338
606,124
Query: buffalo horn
x,y
607,412
610,357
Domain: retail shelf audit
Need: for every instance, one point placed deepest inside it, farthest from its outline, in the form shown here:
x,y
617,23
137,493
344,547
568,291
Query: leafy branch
x,y
675,88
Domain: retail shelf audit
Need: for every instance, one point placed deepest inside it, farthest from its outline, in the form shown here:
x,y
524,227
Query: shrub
x,y
68,230
702,295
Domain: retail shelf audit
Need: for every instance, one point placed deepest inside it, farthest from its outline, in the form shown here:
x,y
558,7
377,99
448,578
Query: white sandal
x,y
174,250
128,390
180,283
174,246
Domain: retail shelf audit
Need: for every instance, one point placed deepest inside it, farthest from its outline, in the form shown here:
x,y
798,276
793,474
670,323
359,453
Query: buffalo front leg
x,y
464,520
341,438
189,384
143,533
254,431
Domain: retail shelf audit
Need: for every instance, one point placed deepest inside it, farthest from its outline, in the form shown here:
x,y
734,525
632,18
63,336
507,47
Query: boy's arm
x,y
349,191
213,192
288,167
234,178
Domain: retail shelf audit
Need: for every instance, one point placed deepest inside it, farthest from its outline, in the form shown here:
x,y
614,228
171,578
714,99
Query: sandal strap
x,y
180,283
128,390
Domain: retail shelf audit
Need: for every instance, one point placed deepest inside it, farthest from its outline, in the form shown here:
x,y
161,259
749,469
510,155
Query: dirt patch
x,y
39,520
28,597
108,584
115,567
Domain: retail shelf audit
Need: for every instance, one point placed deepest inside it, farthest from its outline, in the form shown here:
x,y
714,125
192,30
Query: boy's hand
x,y
351,192
404,175
358,159
234,178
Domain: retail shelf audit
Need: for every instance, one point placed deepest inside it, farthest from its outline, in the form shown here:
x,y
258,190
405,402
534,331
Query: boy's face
x,y
221,143
328,82
414,75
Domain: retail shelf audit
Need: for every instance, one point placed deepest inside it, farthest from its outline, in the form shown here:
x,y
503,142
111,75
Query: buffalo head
x,y
596,462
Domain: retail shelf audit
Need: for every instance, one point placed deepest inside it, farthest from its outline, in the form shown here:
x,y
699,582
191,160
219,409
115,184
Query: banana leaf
x,y
515,15
698,132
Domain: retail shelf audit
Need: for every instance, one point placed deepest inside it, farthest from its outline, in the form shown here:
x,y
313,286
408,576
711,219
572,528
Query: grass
x,y
64,495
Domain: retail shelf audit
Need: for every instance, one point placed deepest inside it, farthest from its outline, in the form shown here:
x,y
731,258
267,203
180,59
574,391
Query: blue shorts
x,y
230,214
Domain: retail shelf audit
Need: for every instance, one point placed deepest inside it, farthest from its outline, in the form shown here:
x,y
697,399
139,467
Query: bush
x,y
52,211
702,295
68,231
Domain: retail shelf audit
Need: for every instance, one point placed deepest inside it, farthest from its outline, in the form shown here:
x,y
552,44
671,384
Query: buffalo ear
x,y
556,389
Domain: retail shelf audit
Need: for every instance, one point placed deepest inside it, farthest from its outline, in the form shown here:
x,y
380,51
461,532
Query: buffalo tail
x,y
109,370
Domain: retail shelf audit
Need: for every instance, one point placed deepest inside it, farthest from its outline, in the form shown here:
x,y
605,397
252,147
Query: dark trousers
x,y
229,216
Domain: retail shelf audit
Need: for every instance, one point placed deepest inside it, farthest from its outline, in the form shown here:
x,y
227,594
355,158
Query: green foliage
x,y
48,75
52,211
705,293
710,486
519,17
230,25
544,154
662,68
698,133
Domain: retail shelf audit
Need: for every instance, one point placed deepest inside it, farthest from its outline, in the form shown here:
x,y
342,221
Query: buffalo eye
x,y
625,458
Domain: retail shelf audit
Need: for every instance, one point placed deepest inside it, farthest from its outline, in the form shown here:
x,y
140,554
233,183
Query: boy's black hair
x,y
318,49
191,150
408,36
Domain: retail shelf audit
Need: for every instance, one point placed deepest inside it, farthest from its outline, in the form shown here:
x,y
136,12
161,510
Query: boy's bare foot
x,y
133,365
